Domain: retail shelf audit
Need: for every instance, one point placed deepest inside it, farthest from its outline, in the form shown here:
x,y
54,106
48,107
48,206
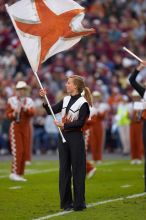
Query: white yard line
x,y
107,163
92,205
29,172
1,177
41,171
15,187
132,169
104,170
33,171
125,186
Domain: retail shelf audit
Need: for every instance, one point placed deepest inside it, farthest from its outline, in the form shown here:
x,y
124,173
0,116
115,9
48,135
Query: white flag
x,y
47,27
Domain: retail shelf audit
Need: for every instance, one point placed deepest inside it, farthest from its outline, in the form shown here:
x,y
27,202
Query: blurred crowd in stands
x,y
99,58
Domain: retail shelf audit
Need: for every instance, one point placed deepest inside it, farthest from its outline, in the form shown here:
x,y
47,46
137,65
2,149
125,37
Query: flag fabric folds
x,y
47,27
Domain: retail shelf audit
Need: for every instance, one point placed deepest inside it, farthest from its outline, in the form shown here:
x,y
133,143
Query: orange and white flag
x,y
47,27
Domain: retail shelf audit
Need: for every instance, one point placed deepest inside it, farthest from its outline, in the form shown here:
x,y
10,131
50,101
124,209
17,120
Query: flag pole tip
x,y
63,140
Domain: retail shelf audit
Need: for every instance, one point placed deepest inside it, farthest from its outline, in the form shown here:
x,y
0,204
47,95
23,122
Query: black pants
x,y
72,163
144,142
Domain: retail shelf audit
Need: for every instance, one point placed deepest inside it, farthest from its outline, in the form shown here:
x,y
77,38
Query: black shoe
x,y
68,208
80,208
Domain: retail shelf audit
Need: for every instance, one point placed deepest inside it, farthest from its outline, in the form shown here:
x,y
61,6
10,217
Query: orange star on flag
x,y
57,27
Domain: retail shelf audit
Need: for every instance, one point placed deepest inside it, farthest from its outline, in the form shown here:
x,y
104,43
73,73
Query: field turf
x,y
106,193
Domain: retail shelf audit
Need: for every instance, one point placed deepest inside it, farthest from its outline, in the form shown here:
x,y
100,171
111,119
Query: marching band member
x,y
90,168
136,141
20,110
97,131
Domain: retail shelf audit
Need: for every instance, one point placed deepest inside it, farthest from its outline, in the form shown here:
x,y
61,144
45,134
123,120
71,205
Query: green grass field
x,y
39,197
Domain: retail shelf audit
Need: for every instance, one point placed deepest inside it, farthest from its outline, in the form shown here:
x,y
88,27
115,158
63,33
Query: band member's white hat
x,y
96,93
21,85
134,93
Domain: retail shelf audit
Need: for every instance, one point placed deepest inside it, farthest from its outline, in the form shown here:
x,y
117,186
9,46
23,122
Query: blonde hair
x,y
80,83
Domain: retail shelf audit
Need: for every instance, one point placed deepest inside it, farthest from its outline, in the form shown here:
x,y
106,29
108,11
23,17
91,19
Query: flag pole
x,y
132,54
36,75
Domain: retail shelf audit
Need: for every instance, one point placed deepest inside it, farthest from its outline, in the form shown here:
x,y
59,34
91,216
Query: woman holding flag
x,y
64,20
75,112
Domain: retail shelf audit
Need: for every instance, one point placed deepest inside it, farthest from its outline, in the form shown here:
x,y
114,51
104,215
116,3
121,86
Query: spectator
x,y
51,134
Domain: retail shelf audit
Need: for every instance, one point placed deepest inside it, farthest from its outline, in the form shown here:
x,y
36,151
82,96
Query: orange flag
x,y
47,27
